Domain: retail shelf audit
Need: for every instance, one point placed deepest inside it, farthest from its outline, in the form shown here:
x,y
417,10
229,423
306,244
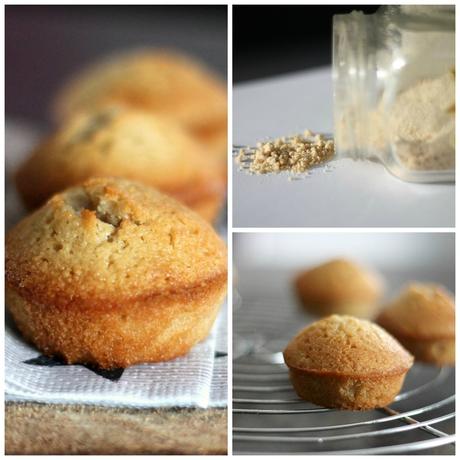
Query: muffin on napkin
x,y
114,273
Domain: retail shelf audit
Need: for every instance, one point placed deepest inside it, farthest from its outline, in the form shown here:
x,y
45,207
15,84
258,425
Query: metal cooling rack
x,y
268,417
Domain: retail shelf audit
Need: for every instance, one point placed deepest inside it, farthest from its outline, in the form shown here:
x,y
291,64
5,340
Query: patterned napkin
x,y
198,379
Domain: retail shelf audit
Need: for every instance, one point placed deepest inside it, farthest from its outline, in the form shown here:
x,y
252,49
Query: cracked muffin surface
x,y
123,142
348,363
112,272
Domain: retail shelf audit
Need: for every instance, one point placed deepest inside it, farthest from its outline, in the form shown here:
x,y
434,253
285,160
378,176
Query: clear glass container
x,y
394,89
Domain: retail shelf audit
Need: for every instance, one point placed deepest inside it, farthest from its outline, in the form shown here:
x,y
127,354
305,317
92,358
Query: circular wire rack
x,y
268,417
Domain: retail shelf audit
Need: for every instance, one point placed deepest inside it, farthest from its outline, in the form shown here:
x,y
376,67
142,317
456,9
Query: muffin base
x,y
440,352
136,331
360,310
341,392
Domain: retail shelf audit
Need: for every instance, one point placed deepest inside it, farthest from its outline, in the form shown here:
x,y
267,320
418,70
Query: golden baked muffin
x,y
163,82
339,286
347,363
422,318
114,273
121,142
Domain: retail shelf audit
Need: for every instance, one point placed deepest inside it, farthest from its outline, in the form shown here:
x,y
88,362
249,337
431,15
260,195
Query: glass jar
x,y
394,89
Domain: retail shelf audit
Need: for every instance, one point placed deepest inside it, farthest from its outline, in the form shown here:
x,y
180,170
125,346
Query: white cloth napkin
x,y
198,379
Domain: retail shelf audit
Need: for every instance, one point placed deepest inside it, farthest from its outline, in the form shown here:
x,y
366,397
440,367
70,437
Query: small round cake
x,y
346,363
422,318
339,286
114,273
121,142
162,82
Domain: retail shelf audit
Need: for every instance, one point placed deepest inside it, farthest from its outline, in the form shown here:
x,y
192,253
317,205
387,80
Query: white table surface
x,y
353,194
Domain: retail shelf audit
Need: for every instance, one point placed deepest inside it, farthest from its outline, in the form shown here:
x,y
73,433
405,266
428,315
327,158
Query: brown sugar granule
x,y
295,154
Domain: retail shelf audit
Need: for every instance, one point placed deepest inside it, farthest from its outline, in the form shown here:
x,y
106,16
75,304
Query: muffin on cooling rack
x,y
114,273
122,142
422,318
346,363
339,286
162,82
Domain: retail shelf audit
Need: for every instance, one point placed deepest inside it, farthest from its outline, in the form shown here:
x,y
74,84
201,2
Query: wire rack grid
x,y
268,417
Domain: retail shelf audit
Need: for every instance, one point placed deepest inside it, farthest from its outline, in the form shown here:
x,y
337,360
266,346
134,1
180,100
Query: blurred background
x,y
45,45
266,262
272,40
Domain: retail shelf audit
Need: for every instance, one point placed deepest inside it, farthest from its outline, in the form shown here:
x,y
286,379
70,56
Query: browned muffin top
x,y
110,240
161,81
122,142
338,281
422,311
347,346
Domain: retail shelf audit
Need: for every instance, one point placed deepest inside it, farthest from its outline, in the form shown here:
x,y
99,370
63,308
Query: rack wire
x,y
268,417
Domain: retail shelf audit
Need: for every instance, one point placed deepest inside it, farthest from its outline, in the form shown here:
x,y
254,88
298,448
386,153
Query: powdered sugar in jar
x,y
394,89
